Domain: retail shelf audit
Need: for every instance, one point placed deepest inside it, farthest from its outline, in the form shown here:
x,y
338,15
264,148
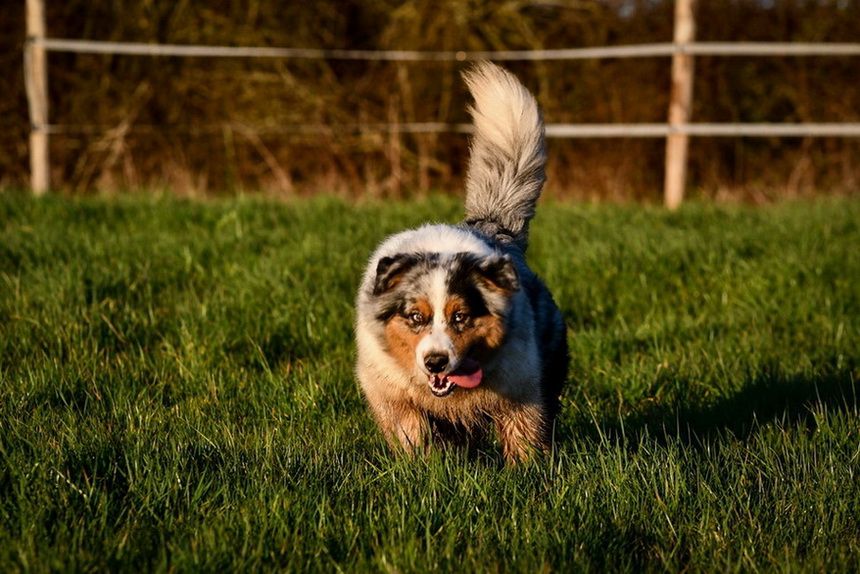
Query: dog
x,y
453,330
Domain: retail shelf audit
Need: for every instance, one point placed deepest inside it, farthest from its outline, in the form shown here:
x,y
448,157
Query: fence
x,y
677,130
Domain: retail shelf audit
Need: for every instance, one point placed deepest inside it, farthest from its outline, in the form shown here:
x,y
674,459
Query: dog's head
x,y
443,315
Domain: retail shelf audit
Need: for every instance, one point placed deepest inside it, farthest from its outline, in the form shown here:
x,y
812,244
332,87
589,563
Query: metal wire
x,y
629,51
552,130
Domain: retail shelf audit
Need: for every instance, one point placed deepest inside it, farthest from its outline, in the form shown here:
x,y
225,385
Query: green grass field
x,y
176,393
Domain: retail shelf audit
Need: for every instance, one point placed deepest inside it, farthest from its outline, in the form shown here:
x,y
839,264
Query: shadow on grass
x,y
769,397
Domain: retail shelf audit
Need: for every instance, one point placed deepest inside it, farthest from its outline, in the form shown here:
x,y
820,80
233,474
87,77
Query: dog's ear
x,y
390,270
498,273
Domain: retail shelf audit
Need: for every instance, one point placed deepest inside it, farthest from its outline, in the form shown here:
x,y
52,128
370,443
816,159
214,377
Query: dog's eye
x,y
416,318
459,318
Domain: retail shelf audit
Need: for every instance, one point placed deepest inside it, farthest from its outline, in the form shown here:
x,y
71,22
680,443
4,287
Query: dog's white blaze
x,y
437,340
438,295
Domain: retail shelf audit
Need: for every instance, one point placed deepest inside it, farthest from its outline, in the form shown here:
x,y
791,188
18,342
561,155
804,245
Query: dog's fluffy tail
x,y
506,169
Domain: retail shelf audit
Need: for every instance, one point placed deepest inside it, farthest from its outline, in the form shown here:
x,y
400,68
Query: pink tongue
x,y
468,375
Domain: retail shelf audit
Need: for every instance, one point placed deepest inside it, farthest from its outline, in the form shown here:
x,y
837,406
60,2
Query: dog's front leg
x,y
405,427
521,431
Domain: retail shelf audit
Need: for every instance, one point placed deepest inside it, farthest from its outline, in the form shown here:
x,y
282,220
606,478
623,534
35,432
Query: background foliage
x,y
199,125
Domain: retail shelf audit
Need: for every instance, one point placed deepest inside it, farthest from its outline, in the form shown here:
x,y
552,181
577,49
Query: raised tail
x,y
506,169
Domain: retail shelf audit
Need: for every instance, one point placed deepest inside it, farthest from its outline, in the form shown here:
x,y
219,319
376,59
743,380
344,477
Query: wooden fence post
x,y
36,80
680,100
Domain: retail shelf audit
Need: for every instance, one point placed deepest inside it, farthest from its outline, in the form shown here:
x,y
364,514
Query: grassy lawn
x,y
176,393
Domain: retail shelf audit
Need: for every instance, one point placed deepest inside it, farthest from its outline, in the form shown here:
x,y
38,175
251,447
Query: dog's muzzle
x,y
467,375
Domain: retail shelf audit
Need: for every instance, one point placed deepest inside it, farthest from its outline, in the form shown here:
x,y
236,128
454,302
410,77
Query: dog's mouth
x,y
468,376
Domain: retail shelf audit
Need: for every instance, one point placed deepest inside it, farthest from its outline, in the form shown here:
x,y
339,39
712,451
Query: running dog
x,y
453,330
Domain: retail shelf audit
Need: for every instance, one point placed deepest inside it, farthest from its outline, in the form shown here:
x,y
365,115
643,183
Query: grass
x,y
176,393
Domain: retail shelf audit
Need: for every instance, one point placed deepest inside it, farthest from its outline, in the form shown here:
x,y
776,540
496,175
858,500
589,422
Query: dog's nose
x,y
436,362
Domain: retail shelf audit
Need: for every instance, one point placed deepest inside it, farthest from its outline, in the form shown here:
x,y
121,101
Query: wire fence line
x,y
628,51
703,129
641,130
560,130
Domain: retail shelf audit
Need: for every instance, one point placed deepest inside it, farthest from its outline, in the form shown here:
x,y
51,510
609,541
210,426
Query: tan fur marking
x,y
494,287
480,335
402,339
